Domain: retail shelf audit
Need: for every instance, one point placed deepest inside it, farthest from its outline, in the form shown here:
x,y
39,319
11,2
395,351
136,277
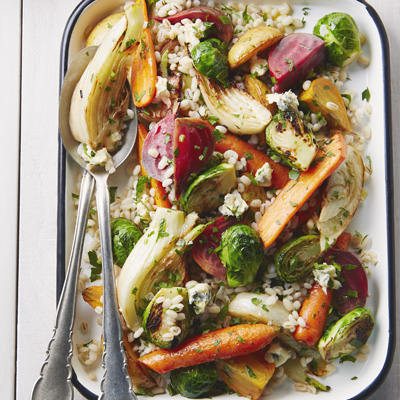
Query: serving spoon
x,y
55,376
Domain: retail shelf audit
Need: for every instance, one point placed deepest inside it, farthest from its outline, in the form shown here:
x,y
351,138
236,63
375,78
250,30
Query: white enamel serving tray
x,y
374,217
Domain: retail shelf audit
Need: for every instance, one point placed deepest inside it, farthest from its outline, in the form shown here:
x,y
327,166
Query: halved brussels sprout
x,y
125,234
163,328
296,258
210,59
341,36
289,138
194,381
346,335
207,191
241,253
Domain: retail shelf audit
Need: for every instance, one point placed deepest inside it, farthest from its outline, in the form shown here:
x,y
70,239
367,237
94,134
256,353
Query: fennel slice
x,y
82,92
235,107
341,197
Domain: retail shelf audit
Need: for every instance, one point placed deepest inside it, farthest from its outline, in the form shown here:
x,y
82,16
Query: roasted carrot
x,y
160,197
144,67
314,311
297,192
255,158
224,343
343,241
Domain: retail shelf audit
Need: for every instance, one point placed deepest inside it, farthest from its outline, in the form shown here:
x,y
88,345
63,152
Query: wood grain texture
x,y
43,23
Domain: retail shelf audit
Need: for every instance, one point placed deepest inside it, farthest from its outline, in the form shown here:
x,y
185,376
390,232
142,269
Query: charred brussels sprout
x,y
296,258
241,253
346,335
341,36
194,381
207,191
210,59
290,139
157,320
125,234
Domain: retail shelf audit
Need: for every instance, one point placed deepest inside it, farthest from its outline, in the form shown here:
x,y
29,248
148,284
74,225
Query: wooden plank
x,y
10,28
43,23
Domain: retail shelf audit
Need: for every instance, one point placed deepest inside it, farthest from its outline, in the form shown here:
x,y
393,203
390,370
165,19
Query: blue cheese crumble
x,y
233,205
325,275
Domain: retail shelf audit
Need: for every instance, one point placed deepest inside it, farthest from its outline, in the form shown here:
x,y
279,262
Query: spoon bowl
x,y
74,73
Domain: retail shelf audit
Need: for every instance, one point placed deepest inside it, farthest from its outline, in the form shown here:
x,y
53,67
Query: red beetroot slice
x,y
293,58
354,290
161,139
203,250
223,29
194,144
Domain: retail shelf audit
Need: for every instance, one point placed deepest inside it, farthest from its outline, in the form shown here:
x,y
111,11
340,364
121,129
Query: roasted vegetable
x,y
293,58
346,335
253,307
259,90
144,66
323,97
354,290
341,36
289,138
236,109
215,345
203,250
194,145
296,192
101,30
195,381
207,191
125,234
159,143
341,197
296,258
295,371
255,158
314,311
100,100
210,59
246,375
158,323
157,257
160,195
241,253
253,42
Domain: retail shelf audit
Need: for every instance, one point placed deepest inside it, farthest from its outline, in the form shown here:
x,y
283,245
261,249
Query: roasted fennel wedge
x,y
341,197
240,112
100,100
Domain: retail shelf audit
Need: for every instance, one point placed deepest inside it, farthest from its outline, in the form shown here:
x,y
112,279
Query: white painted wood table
x,y
30,34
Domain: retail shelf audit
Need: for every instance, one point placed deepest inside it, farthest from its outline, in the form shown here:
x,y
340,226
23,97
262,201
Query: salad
x,y
235,266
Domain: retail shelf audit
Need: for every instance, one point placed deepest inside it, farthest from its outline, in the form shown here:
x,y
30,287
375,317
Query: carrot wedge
x,y
160,197
314,311
297,192
216,345
255,158
144,67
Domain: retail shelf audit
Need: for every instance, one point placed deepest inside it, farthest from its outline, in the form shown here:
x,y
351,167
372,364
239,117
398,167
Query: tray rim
x,y
61,222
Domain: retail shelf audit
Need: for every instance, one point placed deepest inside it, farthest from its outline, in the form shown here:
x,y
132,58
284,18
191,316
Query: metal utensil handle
x,y
55,376
116,384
